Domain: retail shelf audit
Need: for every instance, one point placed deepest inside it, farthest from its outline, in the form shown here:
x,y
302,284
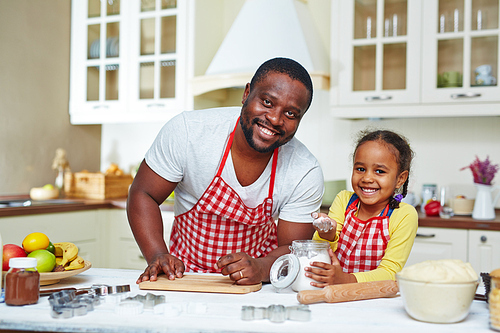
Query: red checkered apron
x,y
220,223
362,244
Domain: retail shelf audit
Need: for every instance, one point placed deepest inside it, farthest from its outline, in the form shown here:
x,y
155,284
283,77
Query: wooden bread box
x,y
90,185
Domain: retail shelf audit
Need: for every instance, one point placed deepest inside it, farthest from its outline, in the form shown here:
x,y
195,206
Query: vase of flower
x,y
483,173
484,206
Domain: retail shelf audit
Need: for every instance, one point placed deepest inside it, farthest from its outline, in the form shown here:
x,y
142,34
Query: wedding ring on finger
x,y
241,275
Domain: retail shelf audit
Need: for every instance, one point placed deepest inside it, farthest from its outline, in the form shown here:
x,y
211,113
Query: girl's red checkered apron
x,y
220,223
362,244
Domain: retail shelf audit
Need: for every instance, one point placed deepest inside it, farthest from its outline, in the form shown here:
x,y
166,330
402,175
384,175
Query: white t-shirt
x,y
190,146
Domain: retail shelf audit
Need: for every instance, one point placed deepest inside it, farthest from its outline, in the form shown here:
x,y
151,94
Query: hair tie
x,y
398,197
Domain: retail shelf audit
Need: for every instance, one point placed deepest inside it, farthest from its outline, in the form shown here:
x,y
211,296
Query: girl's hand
x,y
327,274
327,229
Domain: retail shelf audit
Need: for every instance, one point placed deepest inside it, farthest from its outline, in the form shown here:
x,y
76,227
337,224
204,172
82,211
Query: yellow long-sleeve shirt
x,y
403,225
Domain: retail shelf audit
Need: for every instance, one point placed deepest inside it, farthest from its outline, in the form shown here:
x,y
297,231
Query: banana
x,y
67,250
76,263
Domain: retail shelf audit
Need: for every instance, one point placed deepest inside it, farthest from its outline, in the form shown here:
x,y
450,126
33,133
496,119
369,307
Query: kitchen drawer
x,y
484,250
439,243
123,251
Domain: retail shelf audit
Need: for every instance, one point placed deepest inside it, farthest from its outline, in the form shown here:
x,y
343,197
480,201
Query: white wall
x,y
126,144
34,97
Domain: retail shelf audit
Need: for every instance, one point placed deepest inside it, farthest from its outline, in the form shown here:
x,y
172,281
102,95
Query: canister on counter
x,y
288,270
22,282
494,300
429,191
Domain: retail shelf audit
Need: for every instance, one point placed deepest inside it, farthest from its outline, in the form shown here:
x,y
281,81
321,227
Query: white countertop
x,y
222,312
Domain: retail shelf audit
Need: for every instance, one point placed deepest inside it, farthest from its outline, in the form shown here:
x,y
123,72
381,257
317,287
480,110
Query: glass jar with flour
x,y
288,270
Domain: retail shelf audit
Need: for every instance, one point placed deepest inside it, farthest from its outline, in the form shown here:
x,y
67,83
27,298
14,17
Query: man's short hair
x,y
286,66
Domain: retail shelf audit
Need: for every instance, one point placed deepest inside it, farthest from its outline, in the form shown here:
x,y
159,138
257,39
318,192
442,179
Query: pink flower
x,y
483,172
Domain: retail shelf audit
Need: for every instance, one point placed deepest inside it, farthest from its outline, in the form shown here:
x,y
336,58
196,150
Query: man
x,y
234,171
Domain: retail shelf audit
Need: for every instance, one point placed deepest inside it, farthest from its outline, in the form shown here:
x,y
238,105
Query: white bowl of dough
x,y
438,291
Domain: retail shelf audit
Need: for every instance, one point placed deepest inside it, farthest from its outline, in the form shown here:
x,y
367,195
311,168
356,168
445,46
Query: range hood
x,y
265,29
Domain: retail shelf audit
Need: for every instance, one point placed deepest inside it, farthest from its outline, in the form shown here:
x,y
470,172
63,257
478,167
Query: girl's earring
x,y
398,196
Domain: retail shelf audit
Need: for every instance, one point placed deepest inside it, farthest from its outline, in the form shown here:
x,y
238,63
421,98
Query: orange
x,y
35,241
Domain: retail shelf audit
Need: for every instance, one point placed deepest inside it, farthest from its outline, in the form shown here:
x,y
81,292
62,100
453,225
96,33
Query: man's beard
x,y
248,132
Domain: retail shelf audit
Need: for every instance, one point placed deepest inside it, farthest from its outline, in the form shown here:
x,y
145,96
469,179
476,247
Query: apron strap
x,y
226,154
273,172
354,202
228,149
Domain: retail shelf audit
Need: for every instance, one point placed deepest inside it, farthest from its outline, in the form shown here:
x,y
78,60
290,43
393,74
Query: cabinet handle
x,y
483,239
426,235
466,95
101,106
158,105
378,98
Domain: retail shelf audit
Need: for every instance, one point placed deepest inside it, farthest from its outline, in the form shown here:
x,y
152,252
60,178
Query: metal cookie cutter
x,y
277,313
149,300
66,304
103,289
114,294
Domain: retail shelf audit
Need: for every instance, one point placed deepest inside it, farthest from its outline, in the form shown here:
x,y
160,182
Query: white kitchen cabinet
x,y
128,60
439,243
460,36
484,250
122,247
86,229
378,49
378,75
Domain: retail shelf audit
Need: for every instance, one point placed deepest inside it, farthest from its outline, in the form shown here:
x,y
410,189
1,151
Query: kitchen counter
x,y
209,312
65,205
459,222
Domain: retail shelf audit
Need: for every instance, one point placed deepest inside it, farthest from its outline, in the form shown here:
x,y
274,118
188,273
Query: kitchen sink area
x,y
29,203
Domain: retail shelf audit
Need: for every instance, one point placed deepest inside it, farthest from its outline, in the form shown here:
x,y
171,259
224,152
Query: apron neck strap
x,y
228,149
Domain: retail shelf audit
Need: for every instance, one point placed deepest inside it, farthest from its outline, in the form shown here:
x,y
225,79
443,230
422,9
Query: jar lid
x,y
284,271
310,244
22,262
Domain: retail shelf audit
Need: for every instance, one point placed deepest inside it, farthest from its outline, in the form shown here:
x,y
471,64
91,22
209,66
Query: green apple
x,y
46,261
48,187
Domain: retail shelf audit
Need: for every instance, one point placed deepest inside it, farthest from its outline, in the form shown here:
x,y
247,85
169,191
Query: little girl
x,y
374,231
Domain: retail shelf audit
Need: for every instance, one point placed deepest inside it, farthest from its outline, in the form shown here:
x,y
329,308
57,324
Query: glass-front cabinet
x,y
411,58
128,60
461,47
378,48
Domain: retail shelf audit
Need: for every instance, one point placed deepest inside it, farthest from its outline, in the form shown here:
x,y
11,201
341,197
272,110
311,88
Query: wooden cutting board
x,y
205,283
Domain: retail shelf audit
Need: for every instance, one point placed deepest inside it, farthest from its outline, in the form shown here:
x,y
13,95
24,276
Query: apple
x,y
11,251
46,260
49,187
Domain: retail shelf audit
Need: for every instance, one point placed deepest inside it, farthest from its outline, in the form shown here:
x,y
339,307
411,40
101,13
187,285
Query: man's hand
x,y
242,268
171,266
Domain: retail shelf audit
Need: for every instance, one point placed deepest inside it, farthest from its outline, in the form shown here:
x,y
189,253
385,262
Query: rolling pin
x,y
349,292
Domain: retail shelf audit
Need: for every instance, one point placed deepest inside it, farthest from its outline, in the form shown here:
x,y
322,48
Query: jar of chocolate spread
x,y
22,282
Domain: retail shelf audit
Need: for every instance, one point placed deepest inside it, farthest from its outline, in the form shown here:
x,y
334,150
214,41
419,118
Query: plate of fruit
x,y
55,261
